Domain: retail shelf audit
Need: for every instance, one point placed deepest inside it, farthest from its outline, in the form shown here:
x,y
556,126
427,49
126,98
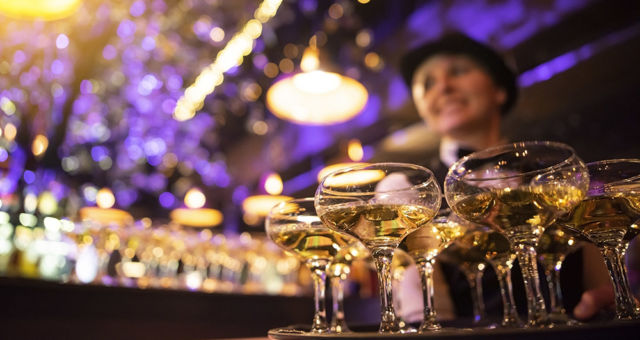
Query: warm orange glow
x,y
335,167
105,216
357,177
200,217
355,151
194,198
40,9
310,60
10,132
39,145
273,184
105,198
260,205
317,98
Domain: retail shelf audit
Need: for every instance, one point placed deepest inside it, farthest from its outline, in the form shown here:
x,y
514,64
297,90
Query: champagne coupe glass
x,y
555,244
498,253
423,245
379,204
471,261
609,218
338,272
519,189
294,226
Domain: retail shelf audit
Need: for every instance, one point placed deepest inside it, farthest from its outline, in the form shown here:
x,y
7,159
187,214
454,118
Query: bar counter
x,y
35,309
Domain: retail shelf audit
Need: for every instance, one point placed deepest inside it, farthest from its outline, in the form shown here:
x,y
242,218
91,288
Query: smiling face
x,y
455,95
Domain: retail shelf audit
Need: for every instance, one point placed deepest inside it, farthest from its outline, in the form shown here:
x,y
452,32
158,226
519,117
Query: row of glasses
x,y
516,190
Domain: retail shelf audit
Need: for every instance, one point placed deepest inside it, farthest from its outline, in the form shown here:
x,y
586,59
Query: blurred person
x,y
463,89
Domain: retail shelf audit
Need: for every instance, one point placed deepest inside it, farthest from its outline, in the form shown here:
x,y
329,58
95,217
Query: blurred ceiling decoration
x,y
256,207
39,9
314,96
230,56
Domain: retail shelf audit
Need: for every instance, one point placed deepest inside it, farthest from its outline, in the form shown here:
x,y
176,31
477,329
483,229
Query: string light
x,y
240,45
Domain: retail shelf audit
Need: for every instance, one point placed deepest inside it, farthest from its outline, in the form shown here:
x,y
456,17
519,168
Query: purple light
x,y
259,61
398,93
148,43
167,200
62,41
19,57
86,87
240,193
168,105
126,29
109,52
126,197
308,6
155,147
99,152
29,176
156,182
3,155
369,114
137,8
148,84
301,181
57,67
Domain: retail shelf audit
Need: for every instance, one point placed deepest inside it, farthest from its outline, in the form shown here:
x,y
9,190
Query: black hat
x,y
456,43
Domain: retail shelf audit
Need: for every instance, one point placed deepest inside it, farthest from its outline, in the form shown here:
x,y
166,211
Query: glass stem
x,y
626,306
319,275
382,257
509,312
474,277
429,322
536,310
555,292
338,323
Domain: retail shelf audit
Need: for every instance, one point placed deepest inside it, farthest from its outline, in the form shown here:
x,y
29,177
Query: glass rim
x,y
430,178
614,161
293,200
512,146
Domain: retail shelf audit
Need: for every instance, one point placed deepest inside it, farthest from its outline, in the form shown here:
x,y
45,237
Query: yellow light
x,y
194,198
133,269
47,204
231,55
39,145
271,70
357,177
105,216
7,105
335,167
216,34
286,65
273,184
260,205
364,1
40,9
336,11
10,131
196,217
105,198
317,98
310,60
355,151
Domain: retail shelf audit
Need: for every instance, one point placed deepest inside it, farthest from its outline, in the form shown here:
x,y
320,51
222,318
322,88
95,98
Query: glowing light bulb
x,y
273,184
41,9
39,145
355,151
194,199
310,60
105,198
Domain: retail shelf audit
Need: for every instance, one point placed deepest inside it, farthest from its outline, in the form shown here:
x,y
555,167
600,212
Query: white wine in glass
x,y
518,190
294,226
609,218
379,204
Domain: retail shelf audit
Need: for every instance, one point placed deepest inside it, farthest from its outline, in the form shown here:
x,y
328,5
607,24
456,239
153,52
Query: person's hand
x,y
592,301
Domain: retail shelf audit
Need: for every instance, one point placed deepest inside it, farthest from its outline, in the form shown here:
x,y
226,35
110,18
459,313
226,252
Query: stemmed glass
x,y
519,189
294,226
555,244
471,262
401,262
338,272
423,245
379,204
609,218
